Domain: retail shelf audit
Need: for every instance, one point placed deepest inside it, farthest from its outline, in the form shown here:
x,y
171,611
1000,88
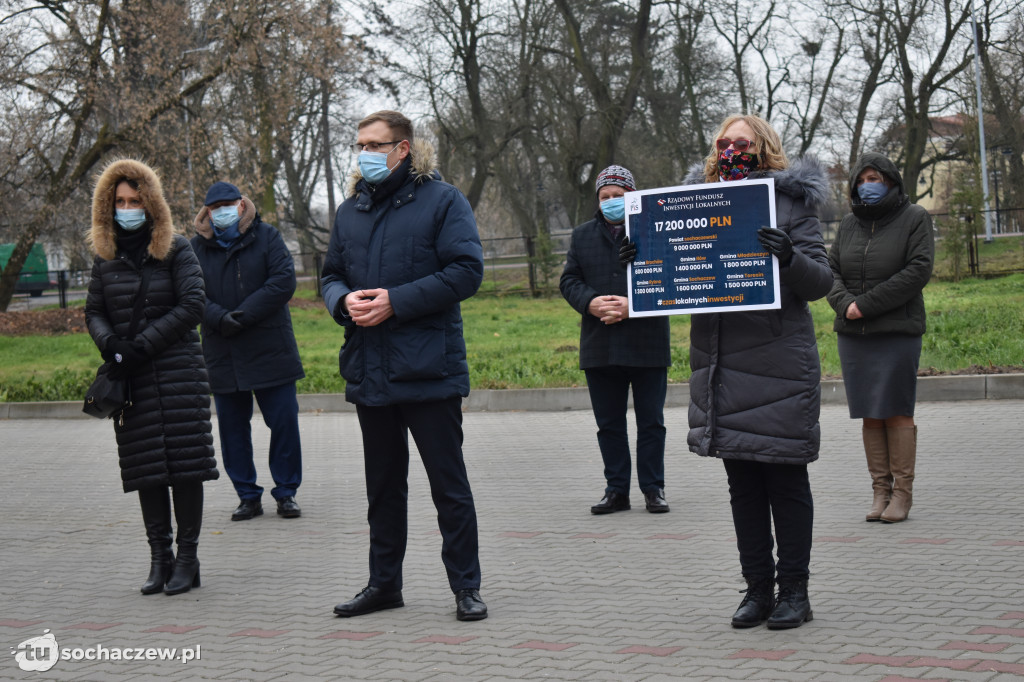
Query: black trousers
x,y
760,493
436,428
609,395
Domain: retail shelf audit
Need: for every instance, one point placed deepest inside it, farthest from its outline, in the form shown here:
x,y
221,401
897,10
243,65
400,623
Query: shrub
x,y
63,384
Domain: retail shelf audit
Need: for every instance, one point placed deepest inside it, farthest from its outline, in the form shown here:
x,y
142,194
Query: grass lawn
x,y
518,342
1001,255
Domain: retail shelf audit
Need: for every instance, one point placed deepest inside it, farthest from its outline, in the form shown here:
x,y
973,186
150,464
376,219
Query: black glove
x,y
627,252
126,357
777,242
231,324
117,371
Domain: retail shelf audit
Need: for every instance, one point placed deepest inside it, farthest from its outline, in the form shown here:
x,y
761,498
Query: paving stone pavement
x,y
628,596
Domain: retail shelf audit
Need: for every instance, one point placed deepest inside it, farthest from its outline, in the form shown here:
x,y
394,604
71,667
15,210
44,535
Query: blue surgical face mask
x,y
130,219
374,165
872,192
224,217
614,209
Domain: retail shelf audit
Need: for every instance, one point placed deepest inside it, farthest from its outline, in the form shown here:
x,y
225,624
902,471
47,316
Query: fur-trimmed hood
x,y
424,167
102,235
804,180
205,228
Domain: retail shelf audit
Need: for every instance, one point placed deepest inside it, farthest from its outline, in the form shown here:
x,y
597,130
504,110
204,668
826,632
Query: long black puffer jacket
x,y
165,438
755,390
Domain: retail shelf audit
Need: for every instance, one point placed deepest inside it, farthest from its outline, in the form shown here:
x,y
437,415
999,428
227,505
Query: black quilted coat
x,y
165,437
755,390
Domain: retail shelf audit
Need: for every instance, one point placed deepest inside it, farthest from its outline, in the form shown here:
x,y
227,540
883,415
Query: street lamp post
x,y
981,127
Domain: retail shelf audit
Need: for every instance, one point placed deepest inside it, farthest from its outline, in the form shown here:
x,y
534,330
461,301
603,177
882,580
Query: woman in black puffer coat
x,y
755,390
164,438
882,259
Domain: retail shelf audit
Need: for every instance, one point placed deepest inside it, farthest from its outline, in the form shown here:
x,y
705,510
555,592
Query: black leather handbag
x,y
108,396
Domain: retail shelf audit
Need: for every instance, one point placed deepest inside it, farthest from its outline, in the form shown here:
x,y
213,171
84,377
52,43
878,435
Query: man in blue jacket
x,y
404,252
249,345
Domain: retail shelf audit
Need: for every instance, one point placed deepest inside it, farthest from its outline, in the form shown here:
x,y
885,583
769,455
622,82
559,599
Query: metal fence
x,y
512,266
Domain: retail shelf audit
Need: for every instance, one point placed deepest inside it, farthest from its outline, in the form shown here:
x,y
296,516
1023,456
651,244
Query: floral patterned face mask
x,y
734,165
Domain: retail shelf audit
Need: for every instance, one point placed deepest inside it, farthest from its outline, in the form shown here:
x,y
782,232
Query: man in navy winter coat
x,y
249,345
618,352
404,252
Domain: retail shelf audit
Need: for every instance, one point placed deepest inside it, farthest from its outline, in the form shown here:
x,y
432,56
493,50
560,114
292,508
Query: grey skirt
x,y
880,374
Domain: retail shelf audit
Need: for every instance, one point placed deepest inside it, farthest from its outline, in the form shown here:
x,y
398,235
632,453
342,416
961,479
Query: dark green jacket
x,y
882,259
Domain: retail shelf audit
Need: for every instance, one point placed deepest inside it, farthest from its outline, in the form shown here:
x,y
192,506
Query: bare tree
x,y
824,37
614,99
477,82
742,27
931,47
683,96
73,66
869,70
267,124
1002,59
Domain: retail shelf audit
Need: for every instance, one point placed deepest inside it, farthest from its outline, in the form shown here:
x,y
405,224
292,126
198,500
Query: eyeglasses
x,y
739,145
373,146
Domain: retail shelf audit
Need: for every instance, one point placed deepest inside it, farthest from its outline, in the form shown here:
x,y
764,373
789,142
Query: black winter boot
x,y
792,608
188,512
757,603
156,514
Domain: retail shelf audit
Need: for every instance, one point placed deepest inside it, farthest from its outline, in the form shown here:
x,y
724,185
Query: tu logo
x,y
37,654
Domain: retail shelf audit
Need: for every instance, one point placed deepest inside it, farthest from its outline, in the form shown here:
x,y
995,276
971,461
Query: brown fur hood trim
x,y
424,166
205,227
102,235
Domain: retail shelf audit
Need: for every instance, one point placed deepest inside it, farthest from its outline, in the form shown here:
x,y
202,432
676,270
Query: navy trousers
x,y
280,409
436,428
760,492
609,396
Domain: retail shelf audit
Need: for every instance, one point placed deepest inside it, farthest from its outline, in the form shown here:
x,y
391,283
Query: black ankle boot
x,y
156,514
793,607
188,512
186,574
757,603
159,573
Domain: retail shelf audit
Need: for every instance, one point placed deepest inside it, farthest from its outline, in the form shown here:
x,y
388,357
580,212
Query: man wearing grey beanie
x,y
618,352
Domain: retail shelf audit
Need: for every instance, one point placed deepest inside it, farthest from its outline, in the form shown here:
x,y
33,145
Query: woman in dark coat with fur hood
x,y
755,389
882,259
164,439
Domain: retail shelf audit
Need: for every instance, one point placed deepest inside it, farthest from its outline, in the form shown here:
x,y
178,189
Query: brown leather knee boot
x,y
877,450
902,459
